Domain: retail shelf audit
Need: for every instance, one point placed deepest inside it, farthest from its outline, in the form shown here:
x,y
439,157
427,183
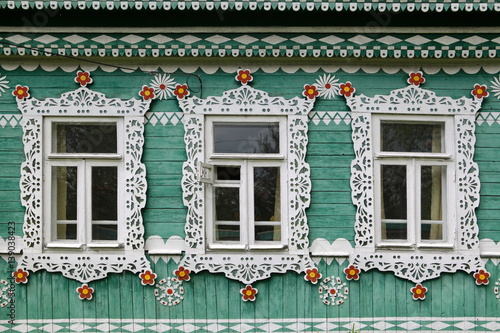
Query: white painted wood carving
x,y
416,263
247,265
84,264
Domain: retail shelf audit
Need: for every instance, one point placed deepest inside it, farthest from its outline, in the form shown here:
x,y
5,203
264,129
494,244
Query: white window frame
x,y
246,104
83,260
413,162
246,162
416,261
84,163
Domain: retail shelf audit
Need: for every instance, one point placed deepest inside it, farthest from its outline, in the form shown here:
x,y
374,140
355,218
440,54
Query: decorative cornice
x,y
261,45
281,5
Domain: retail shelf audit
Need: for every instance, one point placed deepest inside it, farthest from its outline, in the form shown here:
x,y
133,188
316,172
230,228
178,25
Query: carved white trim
x,y
247,267
418,265
85,266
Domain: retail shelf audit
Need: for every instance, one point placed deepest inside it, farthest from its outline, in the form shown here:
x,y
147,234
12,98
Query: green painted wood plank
x,y
275,294
126,305
221,306
163,215
234,299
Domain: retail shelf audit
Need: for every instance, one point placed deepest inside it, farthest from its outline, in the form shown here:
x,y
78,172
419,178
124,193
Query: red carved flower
x,y
310,91
480,91
352,273
244,76
85,292
182,274
147,93
21,275
482,277
83,78
347,89
249,293
419,292
312,275
21,92
416,78
148,278
181,91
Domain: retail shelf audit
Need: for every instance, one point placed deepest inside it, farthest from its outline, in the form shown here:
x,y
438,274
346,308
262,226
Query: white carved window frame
x,y
246,266
92,264
426,262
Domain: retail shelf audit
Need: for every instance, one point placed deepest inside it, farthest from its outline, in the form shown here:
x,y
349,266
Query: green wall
x,y
378,300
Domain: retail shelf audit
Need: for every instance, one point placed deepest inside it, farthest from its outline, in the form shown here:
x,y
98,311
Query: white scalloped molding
x,y
243,266
418,265
83,266
287,68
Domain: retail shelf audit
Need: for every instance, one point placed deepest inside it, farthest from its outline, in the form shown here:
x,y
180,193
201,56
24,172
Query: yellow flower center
x,y
147,277
416,78
85,291
480,91
310,91
147,93
312,274
20,275
181,274
418,292
181,91
20,92
249,292
482,277
352,272
244,76
346,89
83,78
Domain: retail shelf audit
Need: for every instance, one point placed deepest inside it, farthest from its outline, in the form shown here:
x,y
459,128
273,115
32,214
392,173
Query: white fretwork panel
x,y
252,266
418,265
86,266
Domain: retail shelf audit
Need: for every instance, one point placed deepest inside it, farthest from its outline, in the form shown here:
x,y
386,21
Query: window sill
x,y
59,245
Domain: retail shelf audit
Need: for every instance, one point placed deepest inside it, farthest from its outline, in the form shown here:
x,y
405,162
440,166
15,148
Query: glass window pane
x,y
431,192
393,192
85,138
394,231
104,193
227,204
104,232
431,231
268,233
267,206
416,138
66,181
228,173
66,231
227,232
246,138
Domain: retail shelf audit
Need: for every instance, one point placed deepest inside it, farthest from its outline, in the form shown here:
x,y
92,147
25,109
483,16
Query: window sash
x,y
413,220
84,164
246,204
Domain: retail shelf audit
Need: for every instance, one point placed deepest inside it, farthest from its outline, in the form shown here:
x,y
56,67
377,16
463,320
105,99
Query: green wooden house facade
x,y
249,166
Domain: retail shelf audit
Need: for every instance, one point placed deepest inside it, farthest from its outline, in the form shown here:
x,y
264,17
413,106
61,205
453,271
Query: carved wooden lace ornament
x,y
415,264
79,264
244,265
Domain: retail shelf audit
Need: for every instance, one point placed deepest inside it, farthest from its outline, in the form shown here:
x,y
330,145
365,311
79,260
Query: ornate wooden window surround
x,y
80,245
244,256
417,242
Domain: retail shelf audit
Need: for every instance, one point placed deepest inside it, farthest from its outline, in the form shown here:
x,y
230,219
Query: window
x,y
244,200
83,185
83,166
246,184
413,181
